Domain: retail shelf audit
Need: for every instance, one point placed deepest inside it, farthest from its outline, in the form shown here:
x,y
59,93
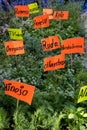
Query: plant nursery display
x,y
43,70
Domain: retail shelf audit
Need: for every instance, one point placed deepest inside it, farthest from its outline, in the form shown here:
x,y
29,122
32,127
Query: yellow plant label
x,y
82,94
33,8
15,34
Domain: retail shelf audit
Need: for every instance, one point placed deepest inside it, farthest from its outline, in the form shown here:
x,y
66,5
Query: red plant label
x,y
19,90
50,43
54,62
41,21
60,15
21,11
73,45
14,47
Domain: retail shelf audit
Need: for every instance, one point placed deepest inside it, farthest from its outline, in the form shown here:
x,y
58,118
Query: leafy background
x,y
54,105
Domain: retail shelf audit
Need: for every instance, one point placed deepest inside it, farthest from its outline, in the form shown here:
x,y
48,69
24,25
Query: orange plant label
x,y
54,62
60,15
49,12
14,47
41,21
21,11
73,45
19,90
50,43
